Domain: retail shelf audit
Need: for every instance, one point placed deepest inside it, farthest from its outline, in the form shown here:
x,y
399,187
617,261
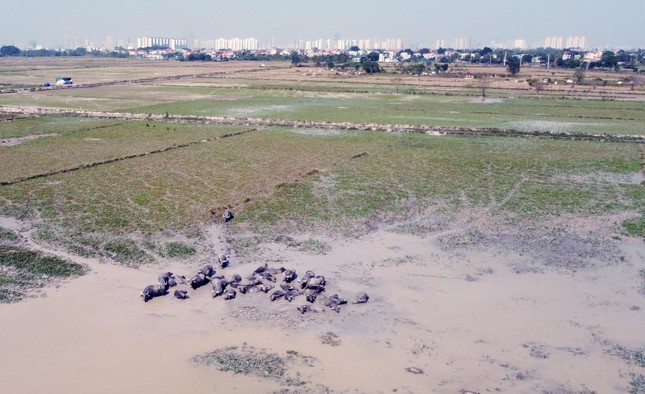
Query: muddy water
x,y
466,319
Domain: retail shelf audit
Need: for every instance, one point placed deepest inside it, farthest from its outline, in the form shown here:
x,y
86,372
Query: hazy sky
x,y
617,23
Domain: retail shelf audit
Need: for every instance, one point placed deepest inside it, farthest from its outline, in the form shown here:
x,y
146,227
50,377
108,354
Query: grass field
x,y
95,180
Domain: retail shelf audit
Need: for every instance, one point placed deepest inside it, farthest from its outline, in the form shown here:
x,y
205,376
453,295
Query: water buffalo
x,y
247,288
236,278
265,288
286,286
291,294
289,275
361,298
315,282
218,286
181,294
167,278
227,216
311,297
333,302
198,280
207,270
275,271
222,260
338,299
304,309
152,291
303,281
277,294
229,294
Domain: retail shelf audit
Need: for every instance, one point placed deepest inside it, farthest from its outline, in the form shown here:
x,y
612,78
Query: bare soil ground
x,y
454,307
22,140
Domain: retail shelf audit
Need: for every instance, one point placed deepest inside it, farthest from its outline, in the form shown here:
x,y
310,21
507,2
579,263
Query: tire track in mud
x,y
122,158
393,128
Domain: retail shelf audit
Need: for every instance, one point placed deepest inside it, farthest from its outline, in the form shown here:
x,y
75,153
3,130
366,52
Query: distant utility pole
x,y
548,60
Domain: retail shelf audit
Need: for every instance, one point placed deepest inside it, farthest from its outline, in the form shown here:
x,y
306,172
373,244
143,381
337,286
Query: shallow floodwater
x,y
465,319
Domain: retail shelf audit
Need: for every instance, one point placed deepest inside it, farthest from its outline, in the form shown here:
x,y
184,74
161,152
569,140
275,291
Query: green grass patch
x,y
635,227
24,270
179,250
7,236
247,361
127,251
252,361
36,263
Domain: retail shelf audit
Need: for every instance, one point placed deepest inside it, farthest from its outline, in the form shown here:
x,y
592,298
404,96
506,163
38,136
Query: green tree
x,y
416,69
513,65
440,67
296,59
371,67
609,59
373,56
9,50
485,51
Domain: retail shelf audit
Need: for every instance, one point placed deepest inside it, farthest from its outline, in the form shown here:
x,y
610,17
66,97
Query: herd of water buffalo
x,y
264,279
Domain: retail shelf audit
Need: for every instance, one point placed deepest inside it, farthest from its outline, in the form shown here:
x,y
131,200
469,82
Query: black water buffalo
x,y
152,291
181,294
311,297
286,286
265,288
291,294
289,275
304,309
334,302
361,298
247,288
222,260
235,278
277,294
167,278
315,281
229,294
219,285
198,280
266,275
303,281
227,216
207,270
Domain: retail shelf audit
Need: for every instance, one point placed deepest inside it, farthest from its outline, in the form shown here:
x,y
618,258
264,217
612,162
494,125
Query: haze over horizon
x,y
421,23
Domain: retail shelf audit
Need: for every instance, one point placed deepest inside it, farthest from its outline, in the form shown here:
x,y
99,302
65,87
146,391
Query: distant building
x,y
162,42
576,42
553,42
519,43
461,43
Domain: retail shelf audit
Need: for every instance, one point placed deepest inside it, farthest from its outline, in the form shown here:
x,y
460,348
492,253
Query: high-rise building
x,y
162,42
553,42
461,43
575,42
519,43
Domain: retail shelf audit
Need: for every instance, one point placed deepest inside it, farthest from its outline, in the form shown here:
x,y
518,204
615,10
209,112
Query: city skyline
x,y
417,23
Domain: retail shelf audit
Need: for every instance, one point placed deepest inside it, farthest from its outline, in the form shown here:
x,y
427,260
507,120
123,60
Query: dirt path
x,y
466,319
